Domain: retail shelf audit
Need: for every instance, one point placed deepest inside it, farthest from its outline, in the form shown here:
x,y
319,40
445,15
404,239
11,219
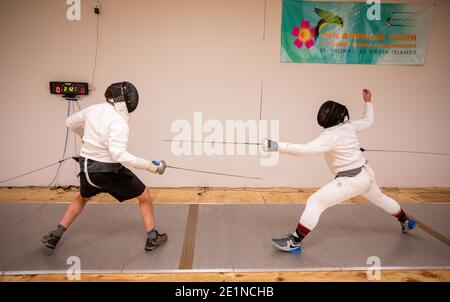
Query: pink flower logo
x,y
305,35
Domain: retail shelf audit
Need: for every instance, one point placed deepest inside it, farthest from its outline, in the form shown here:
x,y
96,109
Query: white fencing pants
x,y
344,188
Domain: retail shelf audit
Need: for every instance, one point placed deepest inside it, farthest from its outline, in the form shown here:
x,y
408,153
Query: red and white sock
x,y
301,232
401,216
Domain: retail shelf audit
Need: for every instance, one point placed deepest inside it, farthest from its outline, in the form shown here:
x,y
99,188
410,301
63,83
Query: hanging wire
x,y
95,57
78,104
74,134
28,173
75,140
405,151
65,148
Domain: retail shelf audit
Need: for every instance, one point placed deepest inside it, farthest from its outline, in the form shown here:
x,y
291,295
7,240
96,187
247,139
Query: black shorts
x,y
122,185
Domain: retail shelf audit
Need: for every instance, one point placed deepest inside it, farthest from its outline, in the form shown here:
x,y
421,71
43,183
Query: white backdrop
x,y
210,56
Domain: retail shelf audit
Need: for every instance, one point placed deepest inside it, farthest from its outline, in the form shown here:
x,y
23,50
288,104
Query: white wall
x,y
209,56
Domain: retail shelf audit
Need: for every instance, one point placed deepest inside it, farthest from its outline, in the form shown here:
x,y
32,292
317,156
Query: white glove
x,y
157,167
270,146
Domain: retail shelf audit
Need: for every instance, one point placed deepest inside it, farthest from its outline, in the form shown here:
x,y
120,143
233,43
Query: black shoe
x,y
50,240
159,240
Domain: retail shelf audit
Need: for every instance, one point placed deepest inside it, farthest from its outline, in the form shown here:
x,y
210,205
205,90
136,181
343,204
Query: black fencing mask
x,y
123,92
331,114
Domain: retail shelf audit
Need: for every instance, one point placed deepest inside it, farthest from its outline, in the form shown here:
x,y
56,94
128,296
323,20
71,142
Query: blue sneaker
x,y
408,225
288,244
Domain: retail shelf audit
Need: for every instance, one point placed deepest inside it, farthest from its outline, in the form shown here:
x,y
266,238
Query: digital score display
x,y
69,88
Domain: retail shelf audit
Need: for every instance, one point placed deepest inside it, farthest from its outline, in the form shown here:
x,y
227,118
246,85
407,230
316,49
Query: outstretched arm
x,y
118,143
324,143
368,116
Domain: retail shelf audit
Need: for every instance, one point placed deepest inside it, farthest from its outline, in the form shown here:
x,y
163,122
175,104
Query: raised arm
x,y
368,116
324,143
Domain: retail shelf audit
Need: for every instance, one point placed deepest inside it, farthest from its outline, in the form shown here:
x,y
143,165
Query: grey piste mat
x,y
110,238
428,215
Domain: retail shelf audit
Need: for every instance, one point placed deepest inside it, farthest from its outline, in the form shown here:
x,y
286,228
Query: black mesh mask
x,y
331,114
123,92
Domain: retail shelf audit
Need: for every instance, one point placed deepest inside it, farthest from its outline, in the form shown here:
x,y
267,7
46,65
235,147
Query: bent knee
x,y
83,199
314,203
145,196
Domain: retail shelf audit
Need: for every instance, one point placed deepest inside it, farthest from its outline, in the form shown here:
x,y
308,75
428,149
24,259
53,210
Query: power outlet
x,y
97,8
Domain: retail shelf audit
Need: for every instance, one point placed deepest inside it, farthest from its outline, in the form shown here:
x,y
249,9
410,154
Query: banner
x,y
354,32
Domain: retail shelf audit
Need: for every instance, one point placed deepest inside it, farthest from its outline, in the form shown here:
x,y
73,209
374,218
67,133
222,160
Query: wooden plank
x,y
187,252
341,276
431,231
219,195
229,196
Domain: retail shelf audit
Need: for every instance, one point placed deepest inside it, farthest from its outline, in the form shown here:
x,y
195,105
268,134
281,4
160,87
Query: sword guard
x,y
161,166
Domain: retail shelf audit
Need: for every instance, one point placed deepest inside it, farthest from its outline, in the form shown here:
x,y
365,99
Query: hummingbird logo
x,y
326,19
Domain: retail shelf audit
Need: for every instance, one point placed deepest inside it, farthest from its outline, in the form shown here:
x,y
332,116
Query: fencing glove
x,y
270,146
157,167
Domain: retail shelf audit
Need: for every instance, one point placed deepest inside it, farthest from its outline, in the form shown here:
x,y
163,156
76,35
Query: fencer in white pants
x,y
343,188
340,145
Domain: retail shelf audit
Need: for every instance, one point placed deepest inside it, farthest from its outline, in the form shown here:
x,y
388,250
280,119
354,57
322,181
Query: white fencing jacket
x,y
339,144
105,135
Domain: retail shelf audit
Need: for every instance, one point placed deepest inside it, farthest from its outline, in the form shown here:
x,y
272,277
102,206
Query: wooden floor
x,y
219,195
344,276
231,196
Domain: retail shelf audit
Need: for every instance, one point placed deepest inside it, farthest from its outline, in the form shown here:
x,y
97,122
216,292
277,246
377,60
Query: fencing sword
x,y
211,142
259,144
210,172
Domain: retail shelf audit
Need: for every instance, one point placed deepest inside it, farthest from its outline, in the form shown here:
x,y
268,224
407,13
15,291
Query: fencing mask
x,y
331,114
123,94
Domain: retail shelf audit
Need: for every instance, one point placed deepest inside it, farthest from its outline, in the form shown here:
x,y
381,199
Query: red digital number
x,y
82,90
58,89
